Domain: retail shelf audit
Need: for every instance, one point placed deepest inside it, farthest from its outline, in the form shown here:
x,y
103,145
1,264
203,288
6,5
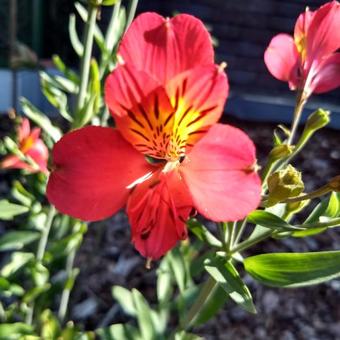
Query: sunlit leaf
x,y
9,210
226,275
16,240
16,262
294,269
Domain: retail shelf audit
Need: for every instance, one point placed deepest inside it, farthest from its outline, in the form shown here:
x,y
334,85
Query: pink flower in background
x,y
309,61
30,145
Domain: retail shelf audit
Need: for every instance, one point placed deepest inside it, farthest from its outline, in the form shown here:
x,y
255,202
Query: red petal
x,y
302,25
219,174
281,58
323,36
14,162
198,96
94,165
328,75
125,87
165,48
157,210
23,129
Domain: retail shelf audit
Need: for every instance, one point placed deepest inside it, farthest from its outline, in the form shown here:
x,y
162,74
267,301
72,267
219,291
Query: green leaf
x,y
182,335
144,318
119,331
124,298
9,210
268,220
333,208
67,72
34,292
75,41
40,119
17,239
15,330
108,2
98,35
213,304
164,282
50,328
21,194
226,275
178,267
8,289
16,262
203,233
294,269
40,274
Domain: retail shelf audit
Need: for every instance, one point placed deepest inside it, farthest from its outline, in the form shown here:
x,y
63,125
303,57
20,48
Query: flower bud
x,y
317,120
280,151
284,184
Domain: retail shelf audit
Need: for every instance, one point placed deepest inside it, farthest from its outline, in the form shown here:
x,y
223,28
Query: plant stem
x,y
45,232
300,103
241,226
332,223
86,58
66,291
199,303
40,254
250,242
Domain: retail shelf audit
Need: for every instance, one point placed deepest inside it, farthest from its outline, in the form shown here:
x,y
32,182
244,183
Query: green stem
x,y
86,58
241,227
45,232
231,231
65,296
40,254
331,223
199,303
300,103
314,194
250,242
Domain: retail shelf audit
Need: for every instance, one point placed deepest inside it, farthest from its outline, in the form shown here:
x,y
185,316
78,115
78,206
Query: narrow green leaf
x,y
17,239
143,310
226,275
269,220
294,269
203,233
213,304
21,194
13,331
50,327
164,282
40,119
98,35
333,208
75,41
9,210
119,331
124,298
178,267
16,262
67,72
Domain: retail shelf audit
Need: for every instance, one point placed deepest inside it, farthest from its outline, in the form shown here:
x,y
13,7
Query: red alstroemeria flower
x,y
167,155
309,61
30,146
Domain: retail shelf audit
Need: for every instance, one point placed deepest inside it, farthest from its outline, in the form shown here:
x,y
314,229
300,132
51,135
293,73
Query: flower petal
x,y
157,210
39,153
166,47
198,97
220,175
93,167
323,36
281,58
23,129
328,76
